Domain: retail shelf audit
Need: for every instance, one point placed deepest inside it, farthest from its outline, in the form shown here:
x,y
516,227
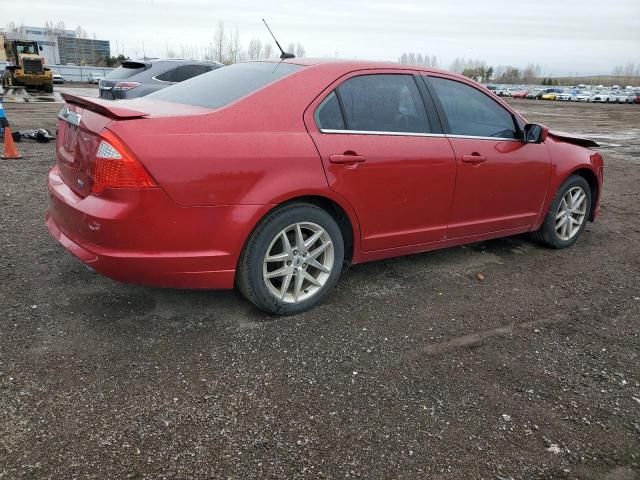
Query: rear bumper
x,y
141,237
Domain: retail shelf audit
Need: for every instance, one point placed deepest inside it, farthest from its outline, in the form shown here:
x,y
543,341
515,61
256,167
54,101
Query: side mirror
x,y
535,133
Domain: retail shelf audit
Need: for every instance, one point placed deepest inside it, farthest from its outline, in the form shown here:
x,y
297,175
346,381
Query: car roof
x,y
351,65
152,61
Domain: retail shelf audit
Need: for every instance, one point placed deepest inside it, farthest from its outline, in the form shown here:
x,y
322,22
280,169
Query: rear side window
x,y
383,103
183,72
328,114
225,85
126,70
471,112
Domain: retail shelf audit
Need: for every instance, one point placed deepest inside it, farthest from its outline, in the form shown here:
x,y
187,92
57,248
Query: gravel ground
x,y
499,360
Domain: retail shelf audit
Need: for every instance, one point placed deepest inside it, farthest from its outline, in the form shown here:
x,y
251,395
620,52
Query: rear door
x,y
385,153
502,181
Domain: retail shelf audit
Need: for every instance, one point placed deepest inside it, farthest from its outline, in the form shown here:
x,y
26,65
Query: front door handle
x,y
475,157
347,157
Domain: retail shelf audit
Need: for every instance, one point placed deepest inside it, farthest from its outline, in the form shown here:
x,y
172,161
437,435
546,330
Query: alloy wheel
x,y
298,262
571,213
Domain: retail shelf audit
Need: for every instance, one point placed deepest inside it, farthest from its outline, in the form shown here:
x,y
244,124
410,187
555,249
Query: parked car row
x,y
599,95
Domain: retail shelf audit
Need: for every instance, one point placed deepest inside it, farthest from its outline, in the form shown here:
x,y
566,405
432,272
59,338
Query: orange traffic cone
x,y
10,151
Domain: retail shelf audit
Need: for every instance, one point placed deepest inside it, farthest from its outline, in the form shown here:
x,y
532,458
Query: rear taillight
x,y
124,86
115,166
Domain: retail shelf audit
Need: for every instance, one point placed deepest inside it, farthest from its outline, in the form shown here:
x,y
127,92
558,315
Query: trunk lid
x,y
80,122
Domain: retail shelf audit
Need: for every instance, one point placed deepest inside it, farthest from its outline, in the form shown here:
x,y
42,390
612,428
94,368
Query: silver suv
x,y
137,78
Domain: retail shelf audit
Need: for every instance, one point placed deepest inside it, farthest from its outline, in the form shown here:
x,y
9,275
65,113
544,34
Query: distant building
x,y
82,51
59,47
46,41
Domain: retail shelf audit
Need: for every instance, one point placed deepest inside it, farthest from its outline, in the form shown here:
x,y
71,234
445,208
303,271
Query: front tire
x,y
292,260
567,216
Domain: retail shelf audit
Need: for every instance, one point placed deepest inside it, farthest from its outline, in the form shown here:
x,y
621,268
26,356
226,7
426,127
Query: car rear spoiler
x,y
108,108
570,138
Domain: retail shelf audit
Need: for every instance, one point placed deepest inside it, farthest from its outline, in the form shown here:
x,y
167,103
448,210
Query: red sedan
x,y
275,176
520,94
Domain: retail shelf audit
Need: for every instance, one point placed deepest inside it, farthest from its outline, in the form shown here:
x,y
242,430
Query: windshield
x,y
225,85
26,49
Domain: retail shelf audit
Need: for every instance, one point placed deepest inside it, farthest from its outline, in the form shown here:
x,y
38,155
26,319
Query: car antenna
x,y
284,55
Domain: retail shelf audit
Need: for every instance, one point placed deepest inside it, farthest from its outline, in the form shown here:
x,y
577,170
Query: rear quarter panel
x,y
254,151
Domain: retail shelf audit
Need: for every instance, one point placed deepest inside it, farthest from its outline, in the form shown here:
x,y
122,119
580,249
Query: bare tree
x,y
219,43
267,52
234,48
418,59
13,27
628,73
254,50
291,48
171,53
300,50
81,32
507,74
531,73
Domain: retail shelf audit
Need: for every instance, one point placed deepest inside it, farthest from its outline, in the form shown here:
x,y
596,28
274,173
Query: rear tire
x,y
567,216
292,260
48,88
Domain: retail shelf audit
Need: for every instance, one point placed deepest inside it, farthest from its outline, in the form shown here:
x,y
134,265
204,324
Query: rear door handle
x,y
474,158
347,158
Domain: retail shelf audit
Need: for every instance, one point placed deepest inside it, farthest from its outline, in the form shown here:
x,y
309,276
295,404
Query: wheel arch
x,y
342,214
592,180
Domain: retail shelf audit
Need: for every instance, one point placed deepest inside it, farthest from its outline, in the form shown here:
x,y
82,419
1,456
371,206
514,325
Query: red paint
x,y
215,173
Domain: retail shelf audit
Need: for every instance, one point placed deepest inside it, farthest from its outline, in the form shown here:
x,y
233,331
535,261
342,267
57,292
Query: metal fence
x,y
75,73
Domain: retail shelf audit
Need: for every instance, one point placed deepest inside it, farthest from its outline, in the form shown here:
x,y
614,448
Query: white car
x,y
600,97
619,97
57,78
565,96
95,77
581,96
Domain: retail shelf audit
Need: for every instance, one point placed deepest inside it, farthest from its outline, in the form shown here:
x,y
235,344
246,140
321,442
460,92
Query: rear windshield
x,y
126,70
225,85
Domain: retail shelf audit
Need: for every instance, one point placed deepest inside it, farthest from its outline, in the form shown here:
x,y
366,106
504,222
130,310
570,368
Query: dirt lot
x,y
415,368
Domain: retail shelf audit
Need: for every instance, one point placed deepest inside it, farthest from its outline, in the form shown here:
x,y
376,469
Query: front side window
x,y
375,103
471,112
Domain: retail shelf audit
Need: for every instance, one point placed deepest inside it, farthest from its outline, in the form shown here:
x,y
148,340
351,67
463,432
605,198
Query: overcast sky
x,y
563,36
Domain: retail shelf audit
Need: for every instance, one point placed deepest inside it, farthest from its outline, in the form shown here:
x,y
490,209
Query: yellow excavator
x,y
26,66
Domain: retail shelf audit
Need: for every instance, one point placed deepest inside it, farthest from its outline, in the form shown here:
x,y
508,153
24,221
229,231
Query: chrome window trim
x,y
414,134
155,77
502,139
370,132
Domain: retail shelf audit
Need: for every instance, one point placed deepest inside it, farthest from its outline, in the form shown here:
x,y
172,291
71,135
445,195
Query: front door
x,y
502,181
